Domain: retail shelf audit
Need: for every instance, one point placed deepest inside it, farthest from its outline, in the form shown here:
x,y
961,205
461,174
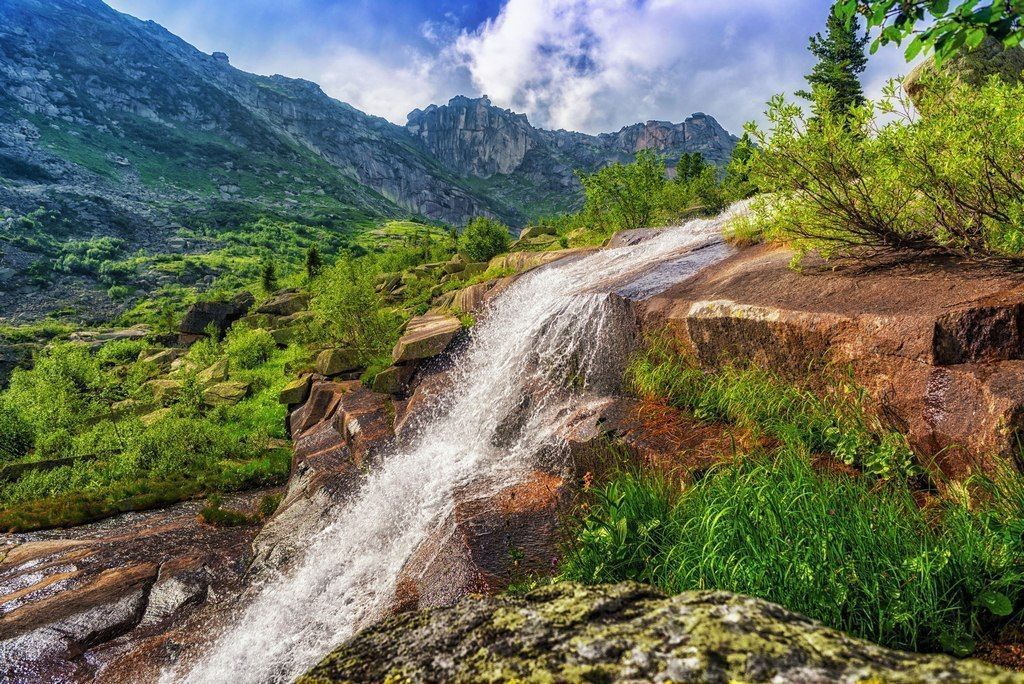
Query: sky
x,y
585,65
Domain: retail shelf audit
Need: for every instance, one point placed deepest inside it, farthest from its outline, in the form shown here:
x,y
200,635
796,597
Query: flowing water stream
x,y
551,325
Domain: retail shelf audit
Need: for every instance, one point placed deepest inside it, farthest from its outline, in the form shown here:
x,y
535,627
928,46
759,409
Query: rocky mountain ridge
x,y
87,92
475,139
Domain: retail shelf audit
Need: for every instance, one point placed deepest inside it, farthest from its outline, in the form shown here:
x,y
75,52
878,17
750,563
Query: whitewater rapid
x,y
550,326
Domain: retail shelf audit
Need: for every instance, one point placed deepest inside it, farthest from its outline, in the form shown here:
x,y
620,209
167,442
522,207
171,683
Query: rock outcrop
x,y
218,313
425,337
74,601
939,345
474,138
626,633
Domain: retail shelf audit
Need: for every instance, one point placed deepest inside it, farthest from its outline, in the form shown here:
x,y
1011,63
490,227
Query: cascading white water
x,y
551,324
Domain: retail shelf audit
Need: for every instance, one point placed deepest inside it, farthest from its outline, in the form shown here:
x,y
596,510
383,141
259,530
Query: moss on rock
x,y
626,632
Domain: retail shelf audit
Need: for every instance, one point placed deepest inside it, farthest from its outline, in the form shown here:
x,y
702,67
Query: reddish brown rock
x,y
472,299
489,540
937,343
366,421
393,379
337,432
73,601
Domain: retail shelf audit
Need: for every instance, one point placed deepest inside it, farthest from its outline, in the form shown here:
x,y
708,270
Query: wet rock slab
x,y
337,433
493,537
73,601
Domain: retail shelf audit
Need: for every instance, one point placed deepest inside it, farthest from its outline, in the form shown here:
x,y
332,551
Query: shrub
x,y
859,557
118,352
349,311
268,276
248,347
624,195
484,238
119,292
16,436
952,179
61,391
687,197
177,446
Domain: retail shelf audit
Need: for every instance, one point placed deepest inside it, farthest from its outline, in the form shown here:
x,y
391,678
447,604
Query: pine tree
x,y
690,165
313,262
737,173
834,80
268,277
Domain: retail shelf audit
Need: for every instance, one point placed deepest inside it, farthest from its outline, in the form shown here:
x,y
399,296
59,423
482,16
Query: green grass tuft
x,y
858,556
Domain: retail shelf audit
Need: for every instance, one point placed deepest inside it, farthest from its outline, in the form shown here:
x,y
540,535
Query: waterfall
x,y
550,325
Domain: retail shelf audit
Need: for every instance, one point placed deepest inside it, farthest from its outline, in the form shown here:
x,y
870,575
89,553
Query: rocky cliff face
x,y
474,138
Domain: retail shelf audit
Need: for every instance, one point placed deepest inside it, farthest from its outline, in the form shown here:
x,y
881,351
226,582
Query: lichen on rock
x,y
626,632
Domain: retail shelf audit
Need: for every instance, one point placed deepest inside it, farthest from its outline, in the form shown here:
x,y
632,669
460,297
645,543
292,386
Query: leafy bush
x,y
624,195
119,352
687,197
349,312
248,347
949,27
16,435
177,446
882,177
859,557
62,390
483,239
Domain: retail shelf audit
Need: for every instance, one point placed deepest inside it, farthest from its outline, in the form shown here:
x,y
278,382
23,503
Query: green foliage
x,y
834,80
268,276
62,408
682,198
860,557
882,178
177,446
624,196
832,420
349,312
16,435
737,184
483,239
65,389
248,348
690,166
949,27
314,264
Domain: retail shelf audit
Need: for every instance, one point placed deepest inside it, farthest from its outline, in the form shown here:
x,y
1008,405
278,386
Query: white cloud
x,y
596,65
590,65
388,88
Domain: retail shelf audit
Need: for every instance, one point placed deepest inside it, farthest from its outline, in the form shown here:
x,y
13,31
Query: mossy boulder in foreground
x,y
626,632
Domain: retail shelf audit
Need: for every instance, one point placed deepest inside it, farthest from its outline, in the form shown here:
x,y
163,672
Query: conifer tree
x,y
834,81
313,262
268,276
